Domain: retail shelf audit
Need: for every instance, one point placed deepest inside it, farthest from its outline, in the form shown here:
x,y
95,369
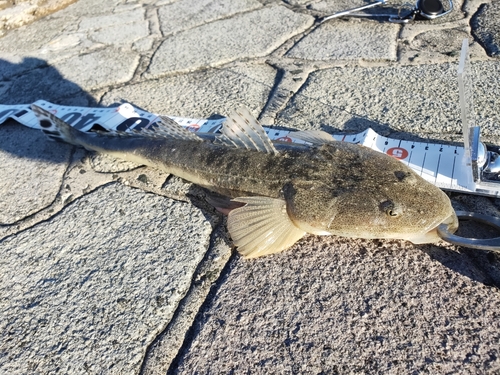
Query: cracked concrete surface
x,y
222,89
486,27
109,267
224,41
108,272
28,160
378,42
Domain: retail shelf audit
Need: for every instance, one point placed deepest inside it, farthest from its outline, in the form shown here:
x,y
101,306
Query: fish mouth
x,y
432,236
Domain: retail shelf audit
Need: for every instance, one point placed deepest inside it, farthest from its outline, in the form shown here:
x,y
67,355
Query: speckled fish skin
x,y
333,188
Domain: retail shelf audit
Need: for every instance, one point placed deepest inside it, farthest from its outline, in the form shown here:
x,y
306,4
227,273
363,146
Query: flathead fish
x,y
274,194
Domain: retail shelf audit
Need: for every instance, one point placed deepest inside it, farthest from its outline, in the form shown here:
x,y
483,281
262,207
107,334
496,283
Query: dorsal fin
x,y
242,130
316,137
168,128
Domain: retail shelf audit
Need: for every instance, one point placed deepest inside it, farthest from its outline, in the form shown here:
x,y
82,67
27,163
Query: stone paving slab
x,y
201,94
415,99
225,41
46,83
199,12
36,36
486,27
348,306
120,71
93,286
28,160
346,42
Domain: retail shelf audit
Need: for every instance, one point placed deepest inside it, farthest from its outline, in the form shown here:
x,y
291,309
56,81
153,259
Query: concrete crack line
x,y
154,22
151,16
39,216
289,80
295,93
190,333
80,179
291,42
167,346
221,18
60,201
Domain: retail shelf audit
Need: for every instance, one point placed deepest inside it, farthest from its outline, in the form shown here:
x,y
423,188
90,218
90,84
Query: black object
x,y
430,7
423,10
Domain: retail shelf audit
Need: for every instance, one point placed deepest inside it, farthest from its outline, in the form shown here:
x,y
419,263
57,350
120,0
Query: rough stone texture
x,y
107,164
83,176
164,349
201,94
32,170
66,56
414,99
94,285
486,27
121,36
344,306
108,20
108,66
120,29
199,12
12,65
62,41
448,41
421,43
22,12
88,8
251,34
353,40
422,46
35,37
87,33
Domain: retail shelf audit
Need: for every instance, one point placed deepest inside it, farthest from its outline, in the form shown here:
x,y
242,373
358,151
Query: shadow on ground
x,y
34,79
25,82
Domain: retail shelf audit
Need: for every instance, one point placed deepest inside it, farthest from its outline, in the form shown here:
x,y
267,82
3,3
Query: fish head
x,y
370,195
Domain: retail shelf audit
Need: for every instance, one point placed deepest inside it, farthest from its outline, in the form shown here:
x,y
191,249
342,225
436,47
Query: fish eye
x,y
391,213
389,208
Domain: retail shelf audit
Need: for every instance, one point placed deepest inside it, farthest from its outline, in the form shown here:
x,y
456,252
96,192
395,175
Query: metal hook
x,y
491,244
349,11
428,9
411,12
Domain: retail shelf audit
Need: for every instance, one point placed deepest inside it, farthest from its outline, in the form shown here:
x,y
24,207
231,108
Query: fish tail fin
x,y
55,128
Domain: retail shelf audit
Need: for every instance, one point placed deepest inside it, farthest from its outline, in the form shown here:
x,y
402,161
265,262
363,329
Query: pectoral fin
x,y
262,227
221,203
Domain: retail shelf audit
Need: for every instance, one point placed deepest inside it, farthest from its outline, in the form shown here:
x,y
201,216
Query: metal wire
x,y
491,244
